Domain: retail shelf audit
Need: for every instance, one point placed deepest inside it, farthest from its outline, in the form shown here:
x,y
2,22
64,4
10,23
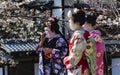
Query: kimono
x,y
77,63
90,54
100,47
53,65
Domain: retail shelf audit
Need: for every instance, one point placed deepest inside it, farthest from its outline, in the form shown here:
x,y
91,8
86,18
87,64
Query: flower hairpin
x,y
69,14
76,10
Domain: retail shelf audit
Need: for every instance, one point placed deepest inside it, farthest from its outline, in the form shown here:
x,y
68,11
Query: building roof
x,y
112,45
18,46
29,45
5,57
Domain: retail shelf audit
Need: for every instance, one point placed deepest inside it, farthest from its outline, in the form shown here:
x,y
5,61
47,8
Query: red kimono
x,y
77,62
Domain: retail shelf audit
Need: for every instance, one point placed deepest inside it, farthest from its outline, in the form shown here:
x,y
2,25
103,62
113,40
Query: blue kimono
x,y
53,65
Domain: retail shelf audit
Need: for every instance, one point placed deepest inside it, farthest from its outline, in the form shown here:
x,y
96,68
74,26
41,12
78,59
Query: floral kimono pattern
x,y
91,55
99,51
55,65
76,62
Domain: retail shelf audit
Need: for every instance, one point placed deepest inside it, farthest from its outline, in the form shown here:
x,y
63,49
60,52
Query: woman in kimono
x,y
96,34
52,48
76,62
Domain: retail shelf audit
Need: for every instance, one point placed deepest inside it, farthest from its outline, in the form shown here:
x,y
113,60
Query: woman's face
x,y
48,32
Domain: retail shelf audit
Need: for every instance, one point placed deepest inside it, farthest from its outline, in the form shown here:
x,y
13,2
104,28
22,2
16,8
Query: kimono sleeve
x,y
61,49
77,50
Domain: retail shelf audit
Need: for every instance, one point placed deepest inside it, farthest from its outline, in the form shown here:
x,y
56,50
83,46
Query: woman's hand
x,y
42,39
47,52
37,48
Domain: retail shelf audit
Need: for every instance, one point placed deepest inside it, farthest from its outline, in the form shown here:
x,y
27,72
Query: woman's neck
x,y
52,35
78,27
91,28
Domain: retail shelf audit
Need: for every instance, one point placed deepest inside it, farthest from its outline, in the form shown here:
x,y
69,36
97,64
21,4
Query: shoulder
x,y
79,33
97,32
60,38
82,33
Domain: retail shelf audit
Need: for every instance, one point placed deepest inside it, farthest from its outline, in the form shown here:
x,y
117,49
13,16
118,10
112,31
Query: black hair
x,y
79,16
55,27
91,18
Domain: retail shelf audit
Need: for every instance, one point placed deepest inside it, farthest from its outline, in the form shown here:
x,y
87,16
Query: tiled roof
x,y
29,45
19,46
112,45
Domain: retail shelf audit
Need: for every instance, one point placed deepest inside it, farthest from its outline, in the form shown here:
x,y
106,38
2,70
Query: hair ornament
x,y
76,10
69,14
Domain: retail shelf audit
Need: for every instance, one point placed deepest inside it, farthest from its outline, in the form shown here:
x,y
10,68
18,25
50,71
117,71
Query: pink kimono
x,y
99,51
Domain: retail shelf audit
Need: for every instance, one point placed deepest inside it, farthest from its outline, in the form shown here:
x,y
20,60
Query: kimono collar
x,y
56,36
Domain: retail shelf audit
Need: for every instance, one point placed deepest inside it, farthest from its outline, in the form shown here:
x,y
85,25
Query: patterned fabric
x,y
91,55
54,66
99,51
76,62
